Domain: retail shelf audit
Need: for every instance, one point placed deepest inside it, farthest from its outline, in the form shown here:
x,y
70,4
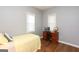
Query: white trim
x,y
77,46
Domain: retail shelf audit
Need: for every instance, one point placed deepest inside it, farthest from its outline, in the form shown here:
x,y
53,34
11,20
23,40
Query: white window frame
x,y
30,26
52,21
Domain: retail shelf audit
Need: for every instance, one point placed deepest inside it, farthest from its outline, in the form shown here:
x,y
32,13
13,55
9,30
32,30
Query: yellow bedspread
x,y
26,43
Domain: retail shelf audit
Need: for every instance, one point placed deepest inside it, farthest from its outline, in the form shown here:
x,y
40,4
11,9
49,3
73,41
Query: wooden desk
x,y
54,36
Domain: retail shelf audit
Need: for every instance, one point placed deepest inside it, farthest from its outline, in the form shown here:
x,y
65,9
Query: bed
x,y
23,43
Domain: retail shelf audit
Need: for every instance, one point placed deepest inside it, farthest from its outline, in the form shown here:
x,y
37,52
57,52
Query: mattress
x,y
26,43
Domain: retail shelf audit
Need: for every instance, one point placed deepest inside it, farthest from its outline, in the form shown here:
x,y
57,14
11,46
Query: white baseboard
x,y
69,44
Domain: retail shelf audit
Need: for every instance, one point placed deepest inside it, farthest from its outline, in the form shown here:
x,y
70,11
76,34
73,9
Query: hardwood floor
x,y
47,46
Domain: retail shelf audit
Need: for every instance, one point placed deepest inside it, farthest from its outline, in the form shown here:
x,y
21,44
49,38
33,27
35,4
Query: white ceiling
x,y
43,7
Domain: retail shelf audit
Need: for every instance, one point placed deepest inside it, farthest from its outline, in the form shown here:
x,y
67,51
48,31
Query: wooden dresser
x,y
54,36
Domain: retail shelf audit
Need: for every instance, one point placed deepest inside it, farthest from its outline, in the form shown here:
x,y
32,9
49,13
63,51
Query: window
x,y
51,21
30,22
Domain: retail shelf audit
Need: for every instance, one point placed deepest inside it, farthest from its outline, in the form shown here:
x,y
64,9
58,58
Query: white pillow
x,y
7,37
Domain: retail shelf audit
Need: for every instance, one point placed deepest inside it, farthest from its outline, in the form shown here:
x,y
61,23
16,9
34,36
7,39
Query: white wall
x,y
12,19
68,23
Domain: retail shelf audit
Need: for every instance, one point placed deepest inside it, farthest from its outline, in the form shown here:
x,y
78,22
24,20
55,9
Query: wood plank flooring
x,y
47,46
